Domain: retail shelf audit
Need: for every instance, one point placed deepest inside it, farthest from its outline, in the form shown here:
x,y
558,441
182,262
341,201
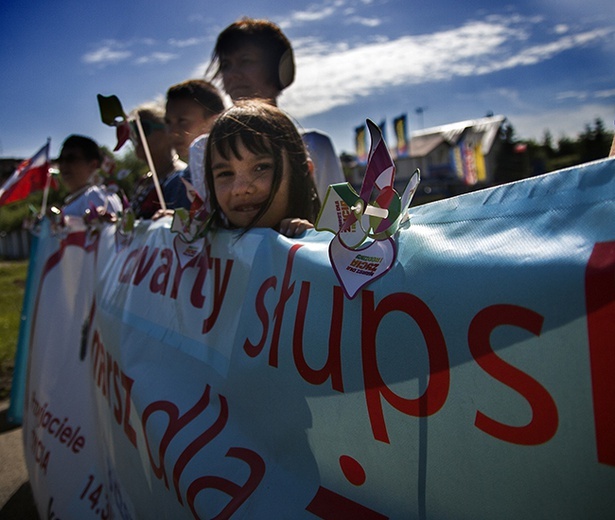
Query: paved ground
x,y
15,493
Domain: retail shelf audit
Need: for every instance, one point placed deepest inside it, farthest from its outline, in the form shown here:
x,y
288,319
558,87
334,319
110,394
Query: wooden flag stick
x,y
47,183
152,168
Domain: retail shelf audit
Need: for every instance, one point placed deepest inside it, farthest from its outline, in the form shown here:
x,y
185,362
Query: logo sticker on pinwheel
x,y
364,224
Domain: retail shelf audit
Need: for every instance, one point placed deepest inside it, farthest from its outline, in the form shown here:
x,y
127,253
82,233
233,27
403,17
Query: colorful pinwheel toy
x,y
191,227
364,224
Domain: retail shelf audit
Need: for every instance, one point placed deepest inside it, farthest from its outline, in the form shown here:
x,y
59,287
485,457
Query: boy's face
x,y
186,121
245,75
75,169
242,185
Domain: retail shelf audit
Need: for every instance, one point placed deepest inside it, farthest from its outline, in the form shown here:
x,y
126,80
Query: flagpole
x,y
152,168
47,183
46,194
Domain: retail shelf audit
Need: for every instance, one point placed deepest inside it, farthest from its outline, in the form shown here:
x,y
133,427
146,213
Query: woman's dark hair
x,y
265,35
263,128
88,146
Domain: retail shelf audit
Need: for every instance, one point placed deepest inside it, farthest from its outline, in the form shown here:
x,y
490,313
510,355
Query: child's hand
x,y
163,213
292,227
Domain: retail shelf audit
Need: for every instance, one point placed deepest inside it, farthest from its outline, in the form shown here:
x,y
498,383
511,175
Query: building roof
x,y
423,142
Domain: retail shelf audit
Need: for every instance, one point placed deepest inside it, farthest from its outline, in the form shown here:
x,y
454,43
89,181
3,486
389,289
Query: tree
x,y
595,142
512,162
565,146
547,143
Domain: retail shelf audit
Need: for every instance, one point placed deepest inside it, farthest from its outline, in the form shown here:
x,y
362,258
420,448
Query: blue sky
x,y
541,63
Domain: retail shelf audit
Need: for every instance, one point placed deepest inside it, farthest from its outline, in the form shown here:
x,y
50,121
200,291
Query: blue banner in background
x,y
15,411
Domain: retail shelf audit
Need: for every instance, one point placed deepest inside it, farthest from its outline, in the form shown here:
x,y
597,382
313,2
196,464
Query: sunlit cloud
x,y
583,95
313,13
332,75
188,42
561,29
537,53
301,17
603,94
105,55
572,94
361,20
156,57
500,96
111,52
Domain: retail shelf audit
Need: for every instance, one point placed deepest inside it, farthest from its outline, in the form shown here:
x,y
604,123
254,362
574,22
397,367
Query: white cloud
x,y
499,96
313,13
330,75
538,53
188,42
105,55
561,28
583,95
156,57
338,9
301,17
511,95
601,94
572,94
114,51
362,20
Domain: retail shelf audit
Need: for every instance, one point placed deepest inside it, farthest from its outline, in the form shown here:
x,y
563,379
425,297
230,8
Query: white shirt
x,y
196,165
77,203
327,165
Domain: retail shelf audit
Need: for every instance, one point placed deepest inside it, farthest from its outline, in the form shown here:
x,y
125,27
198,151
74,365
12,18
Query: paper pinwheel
x,y
191,227
363,248
125,225
112,114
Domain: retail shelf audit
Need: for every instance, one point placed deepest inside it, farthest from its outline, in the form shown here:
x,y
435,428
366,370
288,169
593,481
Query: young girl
x,y
257,171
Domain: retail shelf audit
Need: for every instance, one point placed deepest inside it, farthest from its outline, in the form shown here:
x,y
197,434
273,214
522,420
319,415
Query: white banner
x,y
473,380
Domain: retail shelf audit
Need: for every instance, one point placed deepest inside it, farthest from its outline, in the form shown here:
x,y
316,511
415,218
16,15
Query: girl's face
x,y
244,74
242,185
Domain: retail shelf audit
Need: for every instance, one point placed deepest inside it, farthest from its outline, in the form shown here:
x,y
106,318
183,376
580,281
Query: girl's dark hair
x,y
263,128
265,35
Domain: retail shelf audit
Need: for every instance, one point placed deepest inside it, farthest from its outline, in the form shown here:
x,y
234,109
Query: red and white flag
x,y
30,176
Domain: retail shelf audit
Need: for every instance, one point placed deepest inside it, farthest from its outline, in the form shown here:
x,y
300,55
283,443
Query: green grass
x,y
12,286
